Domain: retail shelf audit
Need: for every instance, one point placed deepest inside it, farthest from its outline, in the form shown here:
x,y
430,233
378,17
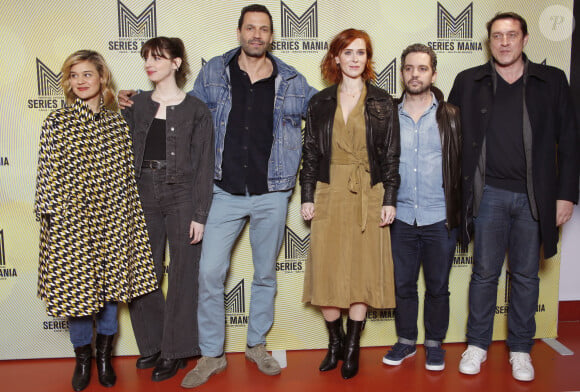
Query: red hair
x,y
331,71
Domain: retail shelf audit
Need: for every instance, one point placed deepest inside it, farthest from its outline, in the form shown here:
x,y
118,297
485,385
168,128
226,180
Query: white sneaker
x,y
471,360
522,368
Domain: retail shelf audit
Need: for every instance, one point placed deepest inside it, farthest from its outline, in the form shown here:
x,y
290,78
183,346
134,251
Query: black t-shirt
x,y
155,143
505,159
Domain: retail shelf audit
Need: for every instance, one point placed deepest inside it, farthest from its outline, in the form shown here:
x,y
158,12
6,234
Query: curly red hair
x,y
330,71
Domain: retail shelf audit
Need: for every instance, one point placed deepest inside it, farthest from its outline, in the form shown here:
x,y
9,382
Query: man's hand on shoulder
x,y
124,98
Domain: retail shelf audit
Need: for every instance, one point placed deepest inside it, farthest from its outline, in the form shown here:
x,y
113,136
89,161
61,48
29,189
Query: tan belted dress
x,y
350,257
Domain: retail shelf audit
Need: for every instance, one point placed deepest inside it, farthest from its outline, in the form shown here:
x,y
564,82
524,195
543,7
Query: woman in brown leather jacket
x,y
349,185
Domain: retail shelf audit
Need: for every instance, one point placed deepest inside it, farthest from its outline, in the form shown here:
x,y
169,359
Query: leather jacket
x,y
448,122
382,136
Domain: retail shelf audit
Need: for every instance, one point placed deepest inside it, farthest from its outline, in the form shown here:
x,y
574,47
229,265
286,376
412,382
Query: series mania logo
x,y
504,309
295,252
462,257
134,30
5,271
387,78
299,34
455,34
50,95
380,314
235,306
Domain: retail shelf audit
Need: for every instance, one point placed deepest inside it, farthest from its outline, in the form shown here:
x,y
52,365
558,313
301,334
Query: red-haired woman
x,y
349,186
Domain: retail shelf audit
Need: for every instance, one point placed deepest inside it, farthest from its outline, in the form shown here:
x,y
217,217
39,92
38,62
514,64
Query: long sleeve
x,y
203,164
48,195
390,159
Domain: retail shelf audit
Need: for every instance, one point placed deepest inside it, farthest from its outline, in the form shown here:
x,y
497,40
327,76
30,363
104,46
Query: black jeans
x,y
433,246
168,324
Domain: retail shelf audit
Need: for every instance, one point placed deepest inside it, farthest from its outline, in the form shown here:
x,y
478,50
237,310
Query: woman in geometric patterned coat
x,y
94,249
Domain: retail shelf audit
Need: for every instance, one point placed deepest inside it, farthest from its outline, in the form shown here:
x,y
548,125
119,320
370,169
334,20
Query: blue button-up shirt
x,y
420,198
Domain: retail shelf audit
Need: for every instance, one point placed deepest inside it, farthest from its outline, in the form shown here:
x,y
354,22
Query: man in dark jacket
x,y
520,181
428,207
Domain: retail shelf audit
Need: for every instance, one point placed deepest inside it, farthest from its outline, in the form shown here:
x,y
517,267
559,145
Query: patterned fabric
x,y
93,239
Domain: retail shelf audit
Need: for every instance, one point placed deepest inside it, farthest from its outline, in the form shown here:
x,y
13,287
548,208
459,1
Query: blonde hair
x,y
105,75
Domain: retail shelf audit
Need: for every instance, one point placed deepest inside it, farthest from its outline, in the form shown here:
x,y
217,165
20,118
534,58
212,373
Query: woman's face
x,y
353,59
159,68
85,81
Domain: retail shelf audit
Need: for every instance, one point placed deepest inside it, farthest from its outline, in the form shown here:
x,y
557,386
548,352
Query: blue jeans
x,y
81,328
227,217
434,246
504,222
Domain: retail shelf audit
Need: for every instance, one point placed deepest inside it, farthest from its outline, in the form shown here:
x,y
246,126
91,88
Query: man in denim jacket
x,y
257,104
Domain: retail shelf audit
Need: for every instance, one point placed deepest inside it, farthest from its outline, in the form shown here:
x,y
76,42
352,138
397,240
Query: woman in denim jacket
x,y
174,156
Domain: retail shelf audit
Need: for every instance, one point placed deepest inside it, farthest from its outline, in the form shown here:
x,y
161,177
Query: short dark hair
x,y
174,47
255,8
507,15
420,48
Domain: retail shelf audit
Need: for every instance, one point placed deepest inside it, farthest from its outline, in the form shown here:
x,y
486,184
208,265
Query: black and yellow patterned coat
x,y
93,239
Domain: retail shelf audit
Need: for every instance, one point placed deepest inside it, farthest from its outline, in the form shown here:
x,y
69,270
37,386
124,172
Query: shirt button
x,y
171,107
249,108
172,129
245,166
246,128
415,169
415,150
416,206
172,153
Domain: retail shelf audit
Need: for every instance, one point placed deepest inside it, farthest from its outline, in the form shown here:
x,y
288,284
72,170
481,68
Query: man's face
x,y
507,41
255,36
418,75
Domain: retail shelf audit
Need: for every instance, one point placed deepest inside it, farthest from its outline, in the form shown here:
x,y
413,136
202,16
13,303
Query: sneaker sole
x,y
525,379
434,368
391,362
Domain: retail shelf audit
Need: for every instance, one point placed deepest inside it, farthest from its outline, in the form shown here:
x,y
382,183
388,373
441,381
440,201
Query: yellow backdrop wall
x,y
38,35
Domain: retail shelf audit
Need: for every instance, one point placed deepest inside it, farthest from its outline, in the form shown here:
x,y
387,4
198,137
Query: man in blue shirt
x,y
257,102
428,207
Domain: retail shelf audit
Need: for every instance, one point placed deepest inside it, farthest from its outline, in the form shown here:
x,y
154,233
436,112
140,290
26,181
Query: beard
x,y
251,51
418,89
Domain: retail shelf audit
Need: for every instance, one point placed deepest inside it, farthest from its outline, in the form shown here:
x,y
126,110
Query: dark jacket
x,y
189,144
449,125
550,137
382,134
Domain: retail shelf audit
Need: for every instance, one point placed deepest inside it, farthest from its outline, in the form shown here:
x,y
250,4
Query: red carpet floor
x,y
553,373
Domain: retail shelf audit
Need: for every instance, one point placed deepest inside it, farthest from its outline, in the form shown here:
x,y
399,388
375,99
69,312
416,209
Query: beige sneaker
x,y
205,368
266,364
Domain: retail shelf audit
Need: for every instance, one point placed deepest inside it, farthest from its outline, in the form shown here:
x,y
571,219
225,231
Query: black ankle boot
x,y
335,345
351,348
82,374
105,369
